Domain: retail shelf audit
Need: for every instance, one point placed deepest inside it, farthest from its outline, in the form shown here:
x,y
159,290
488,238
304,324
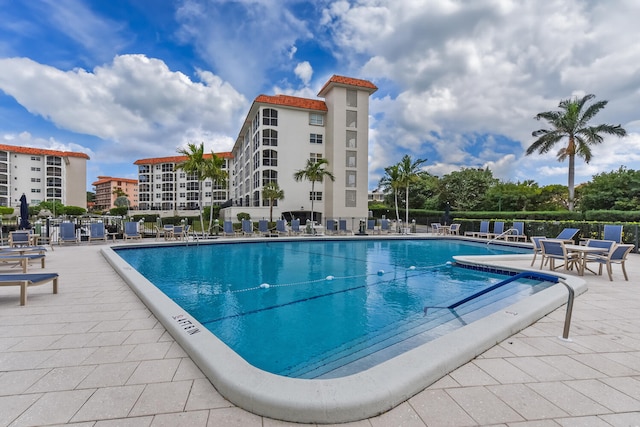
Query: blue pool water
x,y
311,308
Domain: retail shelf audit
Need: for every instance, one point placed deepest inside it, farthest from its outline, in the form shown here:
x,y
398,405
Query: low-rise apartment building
x,y
108,189
42,175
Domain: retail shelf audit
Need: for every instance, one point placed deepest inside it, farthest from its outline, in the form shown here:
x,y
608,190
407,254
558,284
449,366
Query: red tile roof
x,y
178,159
41,151
348,81
107,179
292,101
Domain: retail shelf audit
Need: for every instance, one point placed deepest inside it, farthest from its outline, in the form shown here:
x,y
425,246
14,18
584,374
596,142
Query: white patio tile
x,y
154,371
606,395
162,398
58,379
503,371
483,406
108,403
12,406
204,396
191,419
54,407
109,375
402,415
437,408
233,417
526,402
470,374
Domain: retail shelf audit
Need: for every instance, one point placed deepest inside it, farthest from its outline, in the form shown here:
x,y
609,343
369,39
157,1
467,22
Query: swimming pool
x,y
346,398
322,309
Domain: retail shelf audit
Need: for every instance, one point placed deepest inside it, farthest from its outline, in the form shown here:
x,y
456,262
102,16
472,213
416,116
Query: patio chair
x,y
517,232
342,227
167,231
26,280
179,232
617,255
247,228
613,232
19,238
568,235
97,232
21,259
498,231
227,229
295,226
263,227
68,233
454,229
385,225
131,231
281,227
483,232
537,248
371,226
332,226
436,228
553,250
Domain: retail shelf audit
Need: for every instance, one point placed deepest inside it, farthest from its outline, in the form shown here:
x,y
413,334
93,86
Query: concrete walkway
x,y
93,355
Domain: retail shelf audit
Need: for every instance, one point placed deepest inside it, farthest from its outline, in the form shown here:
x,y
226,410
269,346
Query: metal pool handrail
x,y
523,275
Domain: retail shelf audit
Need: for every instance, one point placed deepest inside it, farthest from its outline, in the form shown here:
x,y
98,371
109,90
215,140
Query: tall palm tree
x,y
409,173
213,170
272,191
391,182
314,171
194,164
571,122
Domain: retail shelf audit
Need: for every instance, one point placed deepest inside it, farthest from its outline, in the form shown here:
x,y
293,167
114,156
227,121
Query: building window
x,y
34,169
35,179
269,176
315,138
350,198
352,139
183,185
315,195
270,117
314,157
35,158
316,119
352,119
351,179
351,159
269,158
35,190
352,98
270,137
256,180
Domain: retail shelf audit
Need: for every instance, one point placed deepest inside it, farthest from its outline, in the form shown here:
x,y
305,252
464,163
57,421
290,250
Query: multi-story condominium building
x,y
108,189
280,133
163,188
42,175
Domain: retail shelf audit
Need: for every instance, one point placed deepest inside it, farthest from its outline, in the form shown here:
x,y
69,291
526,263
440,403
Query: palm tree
x,y
314,171
391,182
571,122
271,191
194,164
213,169
408,174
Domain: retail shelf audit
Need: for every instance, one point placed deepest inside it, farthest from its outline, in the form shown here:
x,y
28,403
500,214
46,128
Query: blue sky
x,y
459,82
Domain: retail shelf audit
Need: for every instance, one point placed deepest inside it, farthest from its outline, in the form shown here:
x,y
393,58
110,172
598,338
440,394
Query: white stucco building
x,y
42,175
281,132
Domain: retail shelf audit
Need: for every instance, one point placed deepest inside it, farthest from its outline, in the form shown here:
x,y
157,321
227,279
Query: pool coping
x,y
354,397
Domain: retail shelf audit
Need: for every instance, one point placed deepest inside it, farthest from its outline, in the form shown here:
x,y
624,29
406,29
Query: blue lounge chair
x,y
483,232
295,226
19,238
21,259
131,231
227,229
263,227
247,228
498,231
332,226
281,227
568,235
97,232
26,280
371,226
68,233
613,232
517,232
342,227
385,225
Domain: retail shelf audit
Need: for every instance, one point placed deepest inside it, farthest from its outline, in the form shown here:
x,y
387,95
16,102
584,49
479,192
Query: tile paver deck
x,y
96,356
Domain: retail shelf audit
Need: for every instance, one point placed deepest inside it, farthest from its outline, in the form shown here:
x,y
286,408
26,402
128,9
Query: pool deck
x,y
94,355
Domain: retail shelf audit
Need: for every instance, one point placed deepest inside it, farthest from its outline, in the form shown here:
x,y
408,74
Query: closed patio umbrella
x,y
24,213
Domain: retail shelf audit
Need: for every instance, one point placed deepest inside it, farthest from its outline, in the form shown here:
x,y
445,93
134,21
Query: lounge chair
x,y
613,232
263,227
26,280
498,231
371,226
23,250
227,229
342,227
553,250
332,226
68,233
281,227
295,226
21,259
537,247
483,232
131,231
97,232
247,228
617,255
19,238
568,235
517,232
385,225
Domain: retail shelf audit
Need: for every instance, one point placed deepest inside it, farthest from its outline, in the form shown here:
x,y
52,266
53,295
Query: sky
x,y
459,82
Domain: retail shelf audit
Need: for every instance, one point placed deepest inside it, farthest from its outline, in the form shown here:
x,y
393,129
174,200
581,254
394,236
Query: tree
x,y
408,175
271,191
571,123
618,189
466,189
390,183
194,164
314,171
213,169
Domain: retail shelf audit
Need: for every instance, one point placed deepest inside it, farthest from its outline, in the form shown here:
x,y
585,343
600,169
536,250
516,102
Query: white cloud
x,y
304,72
